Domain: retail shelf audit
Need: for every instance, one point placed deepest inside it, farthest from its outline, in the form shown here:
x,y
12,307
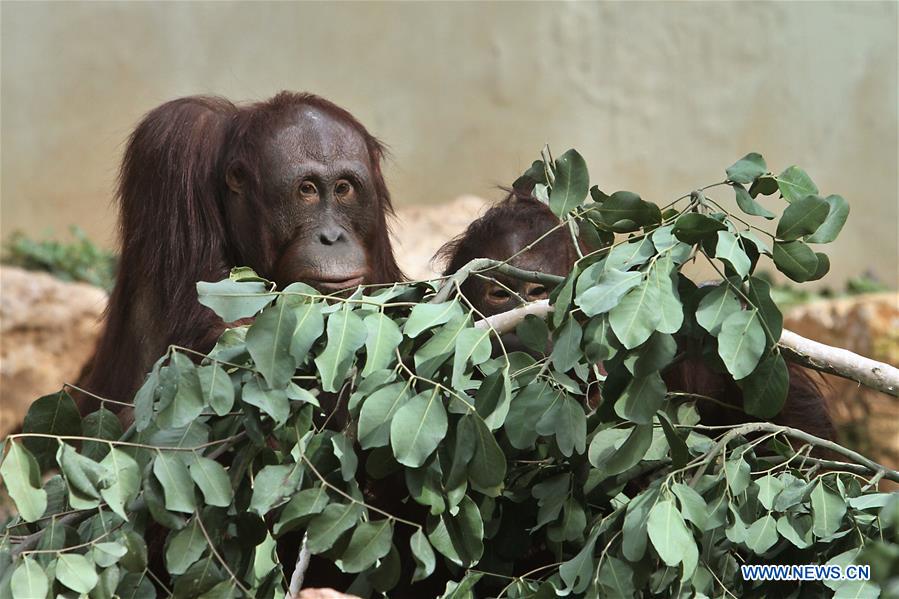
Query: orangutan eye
x,y
307,188
343,188
498,294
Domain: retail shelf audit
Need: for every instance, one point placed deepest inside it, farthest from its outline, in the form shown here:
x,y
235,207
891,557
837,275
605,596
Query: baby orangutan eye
x,y
498,295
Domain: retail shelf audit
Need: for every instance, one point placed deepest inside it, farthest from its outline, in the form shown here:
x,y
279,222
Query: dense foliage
x,y
526,488
79,260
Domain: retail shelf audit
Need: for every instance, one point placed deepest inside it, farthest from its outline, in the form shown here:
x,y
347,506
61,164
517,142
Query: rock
x,y
48,329
419,231
867,420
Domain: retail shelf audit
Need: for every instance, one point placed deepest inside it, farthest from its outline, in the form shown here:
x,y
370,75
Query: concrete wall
x,y
659,97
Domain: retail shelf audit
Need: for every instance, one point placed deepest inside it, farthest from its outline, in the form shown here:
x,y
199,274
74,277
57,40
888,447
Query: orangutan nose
x,y
331,235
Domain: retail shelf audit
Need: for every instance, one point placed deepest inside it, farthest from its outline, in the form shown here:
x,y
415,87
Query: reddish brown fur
x,y
174,232
520,213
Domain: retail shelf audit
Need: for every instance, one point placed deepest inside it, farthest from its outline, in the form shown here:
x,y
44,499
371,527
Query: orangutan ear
x,y
235,177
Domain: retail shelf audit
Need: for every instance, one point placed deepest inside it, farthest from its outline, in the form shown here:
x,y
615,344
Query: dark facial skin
x,y
507,293
320,203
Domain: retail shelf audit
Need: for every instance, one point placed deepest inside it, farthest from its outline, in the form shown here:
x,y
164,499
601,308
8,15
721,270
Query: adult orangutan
x,y
291,187
520,220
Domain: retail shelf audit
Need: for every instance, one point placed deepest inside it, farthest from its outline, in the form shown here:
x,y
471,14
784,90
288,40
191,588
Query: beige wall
x,y
659,97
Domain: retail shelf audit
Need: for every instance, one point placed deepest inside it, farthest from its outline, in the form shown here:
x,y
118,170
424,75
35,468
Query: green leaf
x,y
642,398
423,554
625,211
417,428
615,450
102,424
764,185
571,184
616,578
54,414
715,307
218,392
377,413
346,334
533,333
802,217
823,266
271,401
471,345
177,485
459,538
83,476
369,543
769,487
663,276
736,471
383,338
577,572
795,184
747,169
233,300
437,350
310,326
487,468
526,409
107,554
828,510
766,389
636,316
303,504
565,419
759,294
670,536
741,343
837,214
29,580
346,455
268,341
633,531
797,529
693,227
213,481
426,316
729,249
184,548
762,534
692,506
76,572
326,527
272,485
22,477
566,352
796,260
633,253
122,484
187,402
607,292
749,205
652,356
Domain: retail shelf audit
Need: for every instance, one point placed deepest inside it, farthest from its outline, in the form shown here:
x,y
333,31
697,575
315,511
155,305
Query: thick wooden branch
x,y
798,349
841,362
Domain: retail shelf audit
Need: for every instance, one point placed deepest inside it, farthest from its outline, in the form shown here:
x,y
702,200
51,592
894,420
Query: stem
x,y
299,571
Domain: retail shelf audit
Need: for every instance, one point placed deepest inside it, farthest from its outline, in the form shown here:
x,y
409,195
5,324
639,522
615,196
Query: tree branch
x,y
798,349
299,571
841,362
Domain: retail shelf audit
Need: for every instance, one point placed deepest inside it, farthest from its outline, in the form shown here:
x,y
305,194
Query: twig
x,y
871,466
507,321
299,572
